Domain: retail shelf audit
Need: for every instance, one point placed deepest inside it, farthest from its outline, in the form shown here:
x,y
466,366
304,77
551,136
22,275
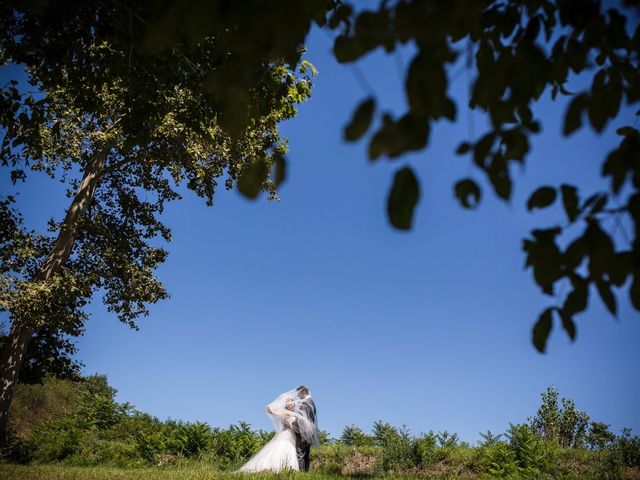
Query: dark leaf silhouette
x,y
541,330
252,180
541,198
403,198
468,193
361,120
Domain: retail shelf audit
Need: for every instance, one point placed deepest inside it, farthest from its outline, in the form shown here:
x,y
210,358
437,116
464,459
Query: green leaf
x,y
570,201
541,198
361,120
541,330
251,182
403,198
468,193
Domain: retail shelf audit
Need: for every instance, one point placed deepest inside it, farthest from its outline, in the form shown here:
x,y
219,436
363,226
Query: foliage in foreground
x,y
79,426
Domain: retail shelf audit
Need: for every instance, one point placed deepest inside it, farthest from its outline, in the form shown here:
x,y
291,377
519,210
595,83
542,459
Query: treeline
x,y
79,423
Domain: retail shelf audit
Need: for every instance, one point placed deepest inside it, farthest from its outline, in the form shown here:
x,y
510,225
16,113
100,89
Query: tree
x,y
514,51
50,350
135,117
600,436
517,51
565,425
353,436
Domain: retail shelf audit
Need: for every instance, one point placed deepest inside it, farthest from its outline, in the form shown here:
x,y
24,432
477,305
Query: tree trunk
x,y
19,337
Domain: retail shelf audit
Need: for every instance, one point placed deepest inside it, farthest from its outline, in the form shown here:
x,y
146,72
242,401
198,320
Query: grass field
x,y
194,472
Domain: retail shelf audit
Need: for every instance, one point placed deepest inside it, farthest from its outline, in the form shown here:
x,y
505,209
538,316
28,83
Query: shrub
x,y
329,459
353,436
235,445
56,440
496,459
97,451
532,455
399,451
427,450
35,404
564,425
628,447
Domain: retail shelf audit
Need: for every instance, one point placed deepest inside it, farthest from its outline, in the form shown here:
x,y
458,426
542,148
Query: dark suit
x,y
303,448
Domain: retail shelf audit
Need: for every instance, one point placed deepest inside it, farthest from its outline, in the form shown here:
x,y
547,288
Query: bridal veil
x,y
288,410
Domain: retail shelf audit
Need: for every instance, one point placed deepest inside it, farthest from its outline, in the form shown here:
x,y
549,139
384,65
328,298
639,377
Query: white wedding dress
x,y
277,455
290,410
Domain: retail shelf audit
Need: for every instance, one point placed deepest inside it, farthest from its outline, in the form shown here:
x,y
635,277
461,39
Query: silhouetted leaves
x,y
468,193
397,137
634,291
543,255
570,201
604,289
541,330
568,325
252,180
402,200
573,117
541,198
361,120
280,169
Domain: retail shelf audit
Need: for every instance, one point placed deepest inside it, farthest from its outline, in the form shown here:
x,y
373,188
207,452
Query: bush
x,y
353,436
496,459
97,451
55,440
564,425
35,404
347,460
427,450
532,455
235,445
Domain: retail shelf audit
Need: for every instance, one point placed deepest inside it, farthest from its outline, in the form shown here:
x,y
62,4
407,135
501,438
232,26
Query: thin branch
x,y
174,49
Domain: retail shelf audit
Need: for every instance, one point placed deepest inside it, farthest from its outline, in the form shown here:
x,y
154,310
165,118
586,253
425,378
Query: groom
x,y
302,447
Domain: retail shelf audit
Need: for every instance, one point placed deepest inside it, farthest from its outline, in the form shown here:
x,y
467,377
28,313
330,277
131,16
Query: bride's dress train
x,y
278,454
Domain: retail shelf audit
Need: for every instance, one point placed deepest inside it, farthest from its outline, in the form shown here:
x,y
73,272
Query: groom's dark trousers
x,y
302,450
302,447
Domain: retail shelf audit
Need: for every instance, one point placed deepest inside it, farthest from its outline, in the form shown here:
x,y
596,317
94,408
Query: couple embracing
x,y
293,414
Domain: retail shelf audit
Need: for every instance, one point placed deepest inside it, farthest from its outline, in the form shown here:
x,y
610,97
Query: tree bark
x,y
20,335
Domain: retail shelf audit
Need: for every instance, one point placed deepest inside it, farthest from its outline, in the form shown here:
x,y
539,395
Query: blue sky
x,y
429,328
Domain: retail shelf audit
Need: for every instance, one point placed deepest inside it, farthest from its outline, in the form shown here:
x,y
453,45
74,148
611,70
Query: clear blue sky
x,y
429,328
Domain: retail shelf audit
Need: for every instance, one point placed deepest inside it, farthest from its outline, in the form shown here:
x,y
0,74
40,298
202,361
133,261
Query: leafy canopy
x,y
517,51
160,112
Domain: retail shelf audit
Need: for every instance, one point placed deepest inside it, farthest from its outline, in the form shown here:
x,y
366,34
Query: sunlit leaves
x,y
468,193
403,198
541,198
361,120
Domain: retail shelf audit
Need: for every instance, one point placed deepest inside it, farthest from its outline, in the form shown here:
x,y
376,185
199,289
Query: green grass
x,y
192,472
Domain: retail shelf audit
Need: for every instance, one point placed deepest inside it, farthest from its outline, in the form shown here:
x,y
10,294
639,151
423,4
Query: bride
x,y
290,416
